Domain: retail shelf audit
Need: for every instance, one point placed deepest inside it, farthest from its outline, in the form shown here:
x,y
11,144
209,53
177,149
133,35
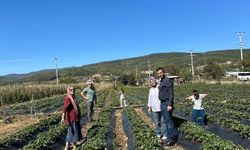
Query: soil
x,y
226,134
87,125
148,121
60,143
19,122
121,138
223,133
128,131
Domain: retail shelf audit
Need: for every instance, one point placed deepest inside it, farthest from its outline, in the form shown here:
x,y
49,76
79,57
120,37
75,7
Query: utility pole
x,y
136,79
192,64
56,71
31,105
149,71
240,34
136,72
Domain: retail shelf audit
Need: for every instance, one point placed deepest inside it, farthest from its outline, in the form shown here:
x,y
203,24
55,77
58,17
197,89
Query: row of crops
x,y
233,122
101,135
143,137
221,109
46,133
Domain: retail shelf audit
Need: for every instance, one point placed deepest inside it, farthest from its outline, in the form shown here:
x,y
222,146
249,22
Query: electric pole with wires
x,y
192,64
240,34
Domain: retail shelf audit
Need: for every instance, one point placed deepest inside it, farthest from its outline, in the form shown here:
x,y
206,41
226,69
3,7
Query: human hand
x,y
170,108
62,121
149,110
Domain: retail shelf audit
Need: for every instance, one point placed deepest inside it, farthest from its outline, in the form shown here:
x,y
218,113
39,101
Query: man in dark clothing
x,y
166,95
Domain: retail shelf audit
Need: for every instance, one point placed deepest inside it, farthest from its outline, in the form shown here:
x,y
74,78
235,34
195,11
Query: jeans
x,y
90,106
169,129
157,116
198,113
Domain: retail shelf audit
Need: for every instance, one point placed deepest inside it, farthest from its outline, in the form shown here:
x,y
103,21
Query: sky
x,y
80,32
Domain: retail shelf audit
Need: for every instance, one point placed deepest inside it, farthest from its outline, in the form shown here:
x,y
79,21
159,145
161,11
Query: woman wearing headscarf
x,y
154,107
71,116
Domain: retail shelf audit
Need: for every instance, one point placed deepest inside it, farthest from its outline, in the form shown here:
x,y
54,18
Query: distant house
x,y
97,77
200,68
173,77
106,78
228,62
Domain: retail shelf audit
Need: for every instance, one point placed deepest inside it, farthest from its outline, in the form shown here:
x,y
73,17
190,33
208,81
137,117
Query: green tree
x,y
247,62
186,74
213,71
173,69
127,79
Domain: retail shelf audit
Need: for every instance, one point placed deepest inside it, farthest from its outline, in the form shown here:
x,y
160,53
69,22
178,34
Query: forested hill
x,y
174,62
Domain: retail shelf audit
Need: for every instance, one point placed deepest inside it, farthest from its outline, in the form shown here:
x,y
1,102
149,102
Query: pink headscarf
x,y
73,99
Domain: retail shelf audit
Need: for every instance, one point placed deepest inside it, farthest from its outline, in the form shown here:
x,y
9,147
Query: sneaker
x,y
158,136
164,138
169,143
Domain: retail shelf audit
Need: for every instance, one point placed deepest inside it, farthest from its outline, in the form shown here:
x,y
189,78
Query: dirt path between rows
x,y
88,125
152,125
18,124
121,138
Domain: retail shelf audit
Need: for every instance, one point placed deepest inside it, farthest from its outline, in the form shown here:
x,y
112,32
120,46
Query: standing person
x,y
198,109
166,95
89,94
154,107
71,116
122,98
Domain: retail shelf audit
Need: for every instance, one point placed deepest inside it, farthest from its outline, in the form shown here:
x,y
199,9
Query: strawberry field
x,y
227,109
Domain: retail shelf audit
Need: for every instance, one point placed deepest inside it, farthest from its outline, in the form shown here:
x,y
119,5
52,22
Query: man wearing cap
x,y
89,94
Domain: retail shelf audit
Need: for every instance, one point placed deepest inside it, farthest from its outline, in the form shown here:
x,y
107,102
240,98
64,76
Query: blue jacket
x,y
166,90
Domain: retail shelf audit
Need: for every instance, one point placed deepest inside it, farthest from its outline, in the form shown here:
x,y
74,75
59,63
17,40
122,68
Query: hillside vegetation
x,y
175,63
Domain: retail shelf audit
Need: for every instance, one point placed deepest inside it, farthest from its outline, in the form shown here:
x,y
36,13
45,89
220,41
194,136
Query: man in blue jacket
x,y
166,95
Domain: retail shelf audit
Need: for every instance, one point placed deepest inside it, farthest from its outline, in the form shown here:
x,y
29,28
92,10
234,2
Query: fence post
x,y
31,106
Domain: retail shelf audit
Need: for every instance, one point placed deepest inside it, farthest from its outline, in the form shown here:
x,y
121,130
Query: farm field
x,y
36,124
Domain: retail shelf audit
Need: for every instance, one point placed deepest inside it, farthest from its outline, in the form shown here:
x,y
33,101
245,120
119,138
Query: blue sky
x,y
79,32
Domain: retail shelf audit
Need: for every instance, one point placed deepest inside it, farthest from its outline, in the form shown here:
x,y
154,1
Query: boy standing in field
x,y
198,109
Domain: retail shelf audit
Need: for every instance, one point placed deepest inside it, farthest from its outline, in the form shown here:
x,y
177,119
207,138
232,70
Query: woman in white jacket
x,y
154,106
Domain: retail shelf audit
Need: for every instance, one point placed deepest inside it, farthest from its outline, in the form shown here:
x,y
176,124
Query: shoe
x,y
205,127
164,139
158,136
169,143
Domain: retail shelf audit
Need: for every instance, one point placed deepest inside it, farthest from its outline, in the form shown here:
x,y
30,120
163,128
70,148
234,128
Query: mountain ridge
x,y
119,66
